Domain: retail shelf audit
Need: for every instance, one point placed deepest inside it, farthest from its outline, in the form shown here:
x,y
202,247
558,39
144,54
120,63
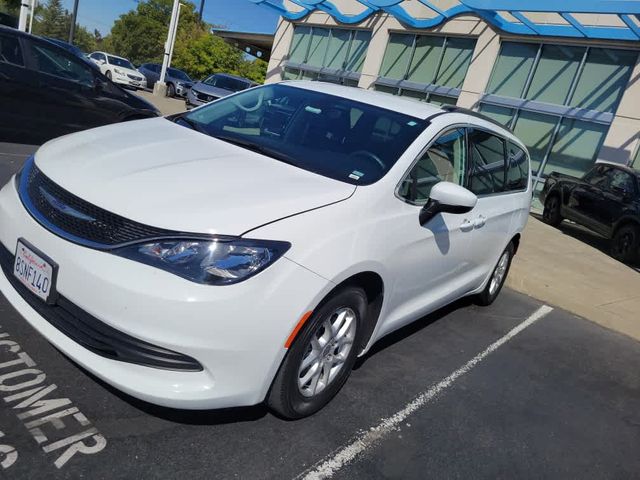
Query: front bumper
x,y
124,79
236,332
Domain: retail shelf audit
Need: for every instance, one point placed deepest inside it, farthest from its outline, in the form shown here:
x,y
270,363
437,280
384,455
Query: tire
x,y
551,213
625,244
108,75
498,277
292,395
171,90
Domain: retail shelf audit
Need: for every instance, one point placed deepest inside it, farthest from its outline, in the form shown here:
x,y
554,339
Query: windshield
x,y
339,138
179,74
227,83
120,62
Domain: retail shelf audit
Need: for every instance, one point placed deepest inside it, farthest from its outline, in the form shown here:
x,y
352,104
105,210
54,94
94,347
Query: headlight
x,y
211,262
118,71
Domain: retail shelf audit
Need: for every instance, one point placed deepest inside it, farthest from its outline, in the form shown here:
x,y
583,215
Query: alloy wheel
x,y
499,273
327,352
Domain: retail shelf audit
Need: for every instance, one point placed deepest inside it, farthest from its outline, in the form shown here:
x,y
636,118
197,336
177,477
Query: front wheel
x,y
551,213
171,90
498,277
322,356
625,244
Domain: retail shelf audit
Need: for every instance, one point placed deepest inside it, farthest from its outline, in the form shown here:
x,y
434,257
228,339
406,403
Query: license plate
x,y
35,270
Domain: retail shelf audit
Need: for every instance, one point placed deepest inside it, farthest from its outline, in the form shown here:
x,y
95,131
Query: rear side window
x,y
53,62
486,162
620,182
517,168
443,161
10,51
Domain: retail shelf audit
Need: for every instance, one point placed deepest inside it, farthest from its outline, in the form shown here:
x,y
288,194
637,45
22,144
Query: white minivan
x,y
251,249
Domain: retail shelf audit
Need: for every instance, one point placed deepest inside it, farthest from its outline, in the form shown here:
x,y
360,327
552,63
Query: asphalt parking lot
x,y
468,392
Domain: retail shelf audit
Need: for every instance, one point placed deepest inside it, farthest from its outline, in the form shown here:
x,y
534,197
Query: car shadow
x,y
583,234
256,412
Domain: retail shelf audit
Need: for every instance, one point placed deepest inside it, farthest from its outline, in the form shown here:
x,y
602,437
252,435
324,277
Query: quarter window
x,y
444,160
621,182
517,168
487,169
10,51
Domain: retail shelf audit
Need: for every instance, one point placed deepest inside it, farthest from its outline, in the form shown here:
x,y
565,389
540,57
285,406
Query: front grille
x,y
79,221
134,77
203,96
94,335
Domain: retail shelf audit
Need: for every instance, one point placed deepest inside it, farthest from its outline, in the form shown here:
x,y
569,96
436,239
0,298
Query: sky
x,y
240,15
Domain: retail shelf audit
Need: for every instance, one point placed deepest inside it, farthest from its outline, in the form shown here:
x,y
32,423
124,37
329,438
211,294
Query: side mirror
x,y
447,197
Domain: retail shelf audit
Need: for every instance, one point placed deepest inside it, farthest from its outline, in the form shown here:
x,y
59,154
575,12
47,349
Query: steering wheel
x,y
368,154
255,107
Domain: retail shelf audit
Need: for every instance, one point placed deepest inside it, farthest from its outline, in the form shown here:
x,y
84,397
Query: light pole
x,y
201,9
25,7
74,16
34,5
160,87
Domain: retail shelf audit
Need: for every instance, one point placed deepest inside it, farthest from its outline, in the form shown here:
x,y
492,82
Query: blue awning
x,y
511,16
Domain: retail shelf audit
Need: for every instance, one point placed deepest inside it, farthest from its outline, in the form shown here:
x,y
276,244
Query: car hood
x,y
165,175
129,71
211,90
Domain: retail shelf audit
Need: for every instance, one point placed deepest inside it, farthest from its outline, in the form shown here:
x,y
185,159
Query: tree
x,y
10,7
205,55
52,21
256,70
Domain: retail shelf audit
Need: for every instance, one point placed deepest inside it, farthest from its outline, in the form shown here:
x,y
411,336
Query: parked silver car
x,y
216,86
178,82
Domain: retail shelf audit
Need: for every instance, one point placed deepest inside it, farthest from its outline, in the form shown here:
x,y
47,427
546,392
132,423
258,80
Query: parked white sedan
x,y
119,70
251,249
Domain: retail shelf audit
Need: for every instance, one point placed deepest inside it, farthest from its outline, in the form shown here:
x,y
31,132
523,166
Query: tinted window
x,y
517,168
597,177
179,74
333,136
53,62
487,162
120,62
10,51
620,181
444,160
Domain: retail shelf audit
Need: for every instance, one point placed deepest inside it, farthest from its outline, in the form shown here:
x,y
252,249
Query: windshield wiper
x,y
269,152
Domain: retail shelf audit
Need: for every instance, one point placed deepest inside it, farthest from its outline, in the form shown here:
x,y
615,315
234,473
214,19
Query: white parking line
x,y
348,453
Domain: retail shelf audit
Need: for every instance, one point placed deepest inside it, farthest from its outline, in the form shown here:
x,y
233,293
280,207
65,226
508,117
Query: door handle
x,y
466,225
480,221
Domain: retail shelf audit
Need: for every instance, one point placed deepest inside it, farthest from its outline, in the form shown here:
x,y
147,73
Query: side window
x,y
156,68
517,168
10,51
598,177
486,162
444,160
58,64
621,182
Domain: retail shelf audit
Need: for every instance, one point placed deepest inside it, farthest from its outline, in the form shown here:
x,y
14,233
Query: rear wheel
x,y
625,244
551,213
498,277
108,75
322,356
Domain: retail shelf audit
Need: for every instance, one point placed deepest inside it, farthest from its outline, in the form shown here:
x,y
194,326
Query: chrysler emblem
x,y
63,208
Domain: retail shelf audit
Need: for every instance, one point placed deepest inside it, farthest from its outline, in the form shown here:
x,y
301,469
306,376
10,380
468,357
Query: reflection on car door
x,y
494,213
430,262
585,200
67,92
616,198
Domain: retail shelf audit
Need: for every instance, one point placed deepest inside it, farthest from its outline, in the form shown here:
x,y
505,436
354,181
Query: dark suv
x,y
605,200
46,92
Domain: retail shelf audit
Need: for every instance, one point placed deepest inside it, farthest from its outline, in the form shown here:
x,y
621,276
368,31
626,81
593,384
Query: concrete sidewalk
x,y
558,269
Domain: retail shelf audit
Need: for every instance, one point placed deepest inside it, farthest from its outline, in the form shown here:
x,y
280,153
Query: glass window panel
x,y
502,115
455,62
487,162
308,75
350,83
636,160
576,147
535,131
338,48
554,74
318,46
512,69
358,50
604,78
290,74
442,100
425,59
10,51
300,44
413,94
445,160
396,57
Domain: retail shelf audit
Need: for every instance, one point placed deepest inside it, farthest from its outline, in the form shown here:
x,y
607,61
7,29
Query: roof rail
x,y
473,113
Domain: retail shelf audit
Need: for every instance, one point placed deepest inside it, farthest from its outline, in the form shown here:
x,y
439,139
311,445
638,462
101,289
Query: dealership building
x,y
567,81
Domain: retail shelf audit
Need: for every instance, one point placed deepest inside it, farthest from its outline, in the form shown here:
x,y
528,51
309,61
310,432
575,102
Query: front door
x,y
430,263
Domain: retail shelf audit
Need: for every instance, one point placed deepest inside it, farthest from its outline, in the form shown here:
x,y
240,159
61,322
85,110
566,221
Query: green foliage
x,y
205,55
256,70
52,20
10,7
